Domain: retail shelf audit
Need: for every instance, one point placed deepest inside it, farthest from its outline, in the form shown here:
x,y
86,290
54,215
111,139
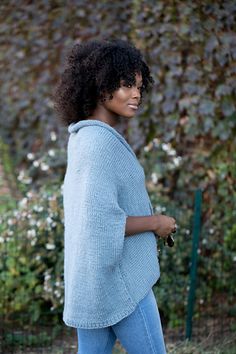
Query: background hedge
x,y
184,135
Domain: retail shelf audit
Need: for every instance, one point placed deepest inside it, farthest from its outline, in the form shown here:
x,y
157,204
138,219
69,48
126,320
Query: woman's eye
x,y
129,86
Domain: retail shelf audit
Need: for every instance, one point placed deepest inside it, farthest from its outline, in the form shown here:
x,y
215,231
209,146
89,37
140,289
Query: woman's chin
x,y
129,114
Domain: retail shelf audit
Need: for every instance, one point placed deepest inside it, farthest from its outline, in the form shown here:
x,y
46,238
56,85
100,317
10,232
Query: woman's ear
x,y
104,97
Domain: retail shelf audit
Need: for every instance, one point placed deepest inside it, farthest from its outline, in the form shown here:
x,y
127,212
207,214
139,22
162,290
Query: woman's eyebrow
x,y
140,83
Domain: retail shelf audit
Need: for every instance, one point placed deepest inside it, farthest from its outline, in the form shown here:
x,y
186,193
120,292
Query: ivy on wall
x,y
185,132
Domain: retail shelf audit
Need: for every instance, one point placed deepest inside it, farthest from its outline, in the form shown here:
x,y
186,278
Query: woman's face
x,y
125,99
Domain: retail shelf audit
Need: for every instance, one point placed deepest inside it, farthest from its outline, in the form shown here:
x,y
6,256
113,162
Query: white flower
x,y
10,222
177,160
49,220
156,142
36,163
234,258
17,214
21,175
38,208
165,147
44,166
29,194
50,246
53,136
158,209
168,148
38,223
163,208
47,288
31,233
38,257
47,276
30,156
57,293
33,242
32,222
172,152
52,197
51,152
154,178
1,239
201,301
148,147
28,180
211,231
10,232
187,232
20,54
204,241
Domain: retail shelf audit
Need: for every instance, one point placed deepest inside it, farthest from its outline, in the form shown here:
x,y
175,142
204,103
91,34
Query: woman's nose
x,y
136,93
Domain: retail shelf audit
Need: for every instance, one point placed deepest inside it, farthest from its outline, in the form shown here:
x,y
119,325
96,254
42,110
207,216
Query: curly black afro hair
x,y
93,69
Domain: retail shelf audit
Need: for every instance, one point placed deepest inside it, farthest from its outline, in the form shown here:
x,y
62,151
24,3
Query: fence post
x,y
193,270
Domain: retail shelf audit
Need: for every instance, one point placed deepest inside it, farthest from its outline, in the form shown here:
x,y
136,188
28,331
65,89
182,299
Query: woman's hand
x,y
164,225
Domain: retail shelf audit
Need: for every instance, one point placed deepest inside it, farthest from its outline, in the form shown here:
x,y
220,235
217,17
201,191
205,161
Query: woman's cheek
x,y
122,93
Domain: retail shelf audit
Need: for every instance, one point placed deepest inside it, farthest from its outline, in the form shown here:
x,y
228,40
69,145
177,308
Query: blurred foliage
x,y
32,260
216,252
184,136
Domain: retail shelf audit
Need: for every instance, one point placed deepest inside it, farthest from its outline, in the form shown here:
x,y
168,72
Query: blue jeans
x,y
138,333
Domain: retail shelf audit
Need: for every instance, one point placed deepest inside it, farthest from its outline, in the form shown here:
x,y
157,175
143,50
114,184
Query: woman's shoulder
x,y
98,140
94,147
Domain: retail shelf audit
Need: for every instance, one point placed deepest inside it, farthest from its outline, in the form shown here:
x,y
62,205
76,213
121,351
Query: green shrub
x,y
31,247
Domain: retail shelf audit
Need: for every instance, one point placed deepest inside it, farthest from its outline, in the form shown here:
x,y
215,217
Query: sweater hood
x,y
75,127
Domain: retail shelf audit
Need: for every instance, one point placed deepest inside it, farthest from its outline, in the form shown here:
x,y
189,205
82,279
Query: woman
x,y
111,260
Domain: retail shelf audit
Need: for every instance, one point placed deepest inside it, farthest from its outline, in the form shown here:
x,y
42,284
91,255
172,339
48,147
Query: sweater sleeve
x,y
101,221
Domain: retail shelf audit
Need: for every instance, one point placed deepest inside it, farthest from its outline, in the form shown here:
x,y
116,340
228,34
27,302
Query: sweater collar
x,y
75,127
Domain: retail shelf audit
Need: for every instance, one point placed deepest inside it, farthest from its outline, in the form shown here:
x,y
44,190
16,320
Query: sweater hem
x,y
106,323
102,324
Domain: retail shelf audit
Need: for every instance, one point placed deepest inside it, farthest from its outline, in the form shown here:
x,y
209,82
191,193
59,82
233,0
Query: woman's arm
x,y
138,224
161,225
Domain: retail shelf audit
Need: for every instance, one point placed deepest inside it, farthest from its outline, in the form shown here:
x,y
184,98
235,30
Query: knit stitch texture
x,y
106,273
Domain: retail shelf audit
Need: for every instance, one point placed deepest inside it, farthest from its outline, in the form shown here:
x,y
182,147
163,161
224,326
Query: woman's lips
x,y
133,106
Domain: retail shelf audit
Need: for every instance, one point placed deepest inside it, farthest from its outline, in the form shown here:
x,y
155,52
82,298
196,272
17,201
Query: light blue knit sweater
x,y
105,273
